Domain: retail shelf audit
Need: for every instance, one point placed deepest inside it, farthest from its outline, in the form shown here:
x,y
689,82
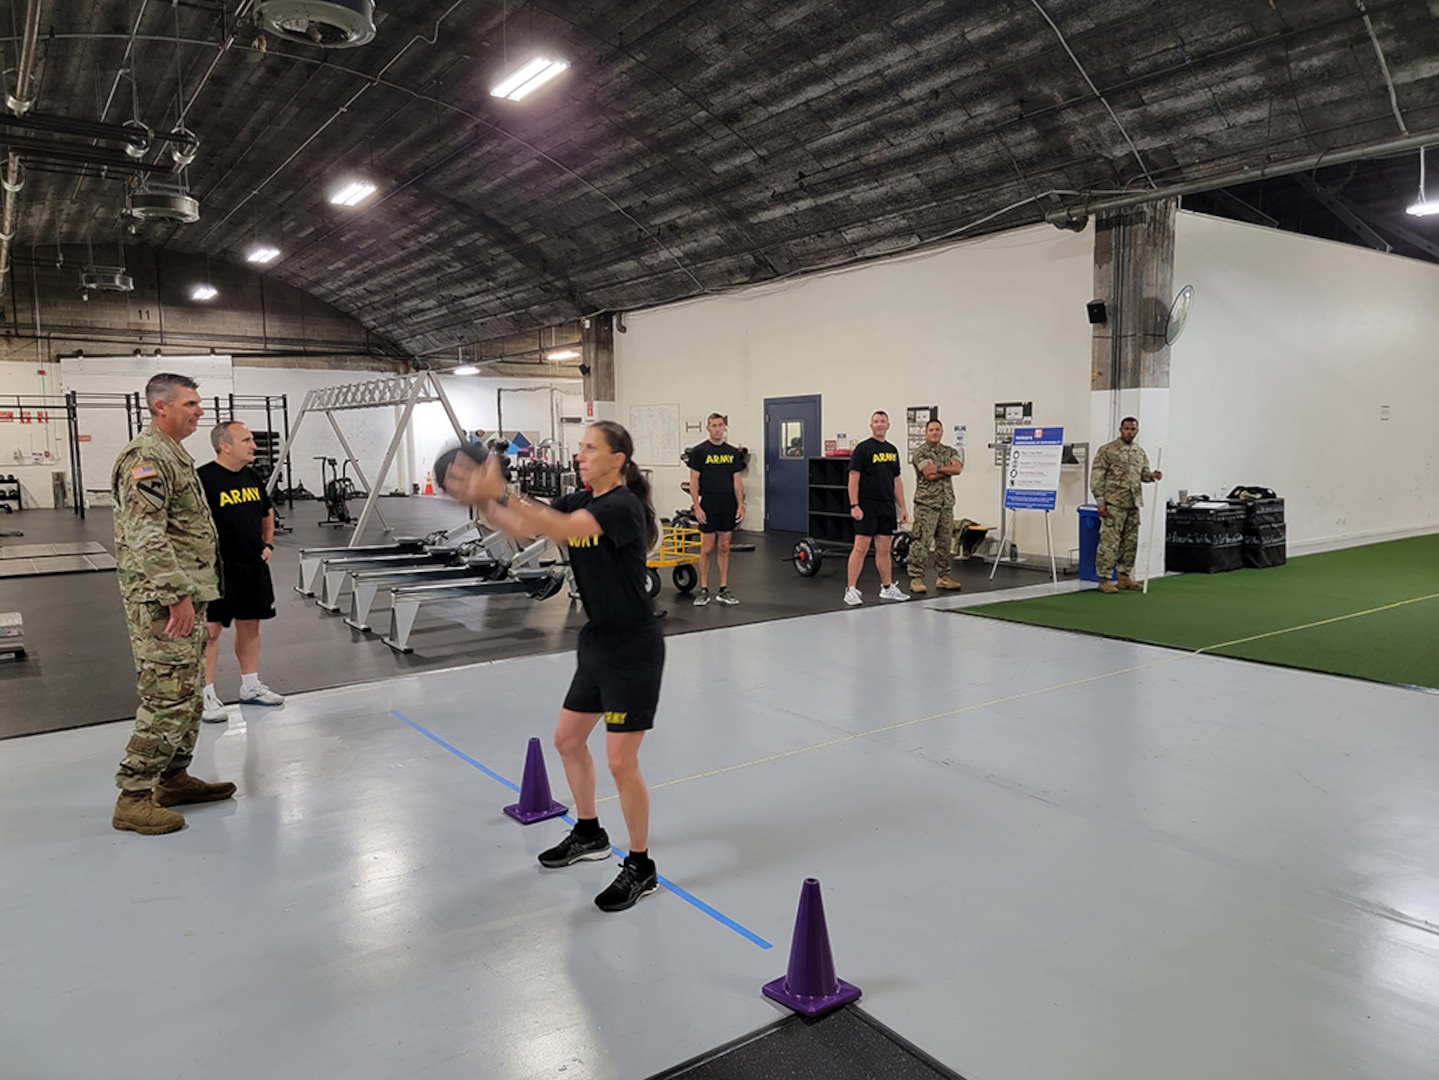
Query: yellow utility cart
x,y
679,548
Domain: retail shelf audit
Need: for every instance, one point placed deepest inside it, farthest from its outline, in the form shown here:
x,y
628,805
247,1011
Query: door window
x,y
791,438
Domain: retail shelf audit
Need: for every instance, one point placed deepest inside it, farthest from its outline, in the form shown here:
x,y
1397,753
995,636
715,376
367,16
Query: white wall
x,y
996,319
1292,348
369,431
528,406
27,380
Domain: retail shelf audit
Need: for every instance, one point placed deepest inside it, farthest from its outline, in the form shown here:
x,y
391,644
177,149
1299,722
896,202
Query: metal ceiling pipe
x,y
19,103
1074,217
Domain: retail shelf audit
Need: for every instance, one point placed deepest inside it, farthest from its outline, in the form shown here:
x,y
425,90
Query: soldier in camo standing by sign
x,y
936,465
1116,478
165,547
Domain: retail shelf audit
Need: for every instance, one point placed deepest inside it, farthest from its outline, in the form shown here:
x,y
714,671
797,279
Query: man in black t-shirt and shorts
x,y
717,491
876,502
245,522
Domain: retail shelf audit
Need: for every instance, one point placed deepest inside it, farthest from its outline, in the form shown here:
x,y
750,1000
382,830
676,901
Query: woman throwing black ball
x,y
608,528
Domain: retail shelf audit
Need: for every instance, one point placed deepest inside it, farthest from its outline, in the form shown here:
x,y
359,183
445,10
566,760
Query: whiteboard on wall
x,y
117,375
656,432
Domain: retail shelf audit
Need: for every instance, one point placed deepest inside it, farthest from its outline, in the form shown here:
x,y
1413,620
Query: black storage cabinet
x,y
829,520
1198,541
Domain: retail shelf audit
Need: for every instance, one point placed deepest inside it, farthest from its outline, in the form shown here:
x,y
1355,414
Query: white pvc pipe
x,y
1149,551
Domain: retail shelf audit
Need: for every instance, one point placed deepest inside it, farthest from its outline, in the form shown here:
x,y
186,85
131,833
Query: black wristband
x,y
503,500
266,543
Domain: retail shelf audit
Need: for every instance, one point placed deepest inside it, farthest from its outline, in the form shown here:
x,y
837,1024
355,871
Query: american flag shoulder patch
x,y
143,471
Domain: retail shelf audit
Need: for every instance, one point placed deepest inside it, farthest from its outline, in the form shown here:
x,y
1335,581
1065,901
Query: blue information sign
x,y
1031,480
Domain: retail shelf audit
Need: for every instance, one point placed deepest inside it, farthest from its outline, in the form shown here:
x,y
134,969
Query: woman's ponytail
x,y
621,443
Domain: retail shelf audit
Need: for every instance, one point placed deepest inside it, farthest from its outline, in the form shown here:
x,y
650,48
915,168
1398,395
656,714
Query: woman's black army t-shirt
x,y
610,568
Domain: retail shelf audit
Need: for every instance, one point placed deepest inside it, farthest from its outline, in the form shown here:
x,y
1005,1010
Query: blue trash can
x,y
1088,542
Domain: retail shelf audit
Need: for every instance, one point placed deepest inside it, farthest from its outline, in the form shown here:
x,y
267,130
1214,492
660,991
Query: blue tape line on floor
x,y
683,894
457,752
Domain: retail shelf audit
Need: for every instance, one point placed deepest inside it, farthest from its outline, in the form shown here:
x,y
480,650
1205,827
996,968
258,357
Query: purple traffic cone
x,y
535,802
810,985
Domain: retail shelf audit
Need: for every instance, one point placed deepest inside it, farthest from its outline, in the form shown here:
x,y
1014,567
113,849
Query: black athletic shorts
x,y
619,674
720,513
249,594
879,518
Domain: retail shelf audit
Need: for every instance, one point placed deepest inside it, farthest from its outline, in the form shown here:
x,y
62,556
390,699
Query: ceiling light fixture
x,y
353,193
1426,206
465,369
528,78
563,354
263,253
204,292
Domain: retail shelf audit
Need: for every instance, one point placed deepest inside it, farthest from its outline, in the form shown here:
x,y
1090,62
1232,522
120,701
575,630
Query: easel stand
x,y
1048,538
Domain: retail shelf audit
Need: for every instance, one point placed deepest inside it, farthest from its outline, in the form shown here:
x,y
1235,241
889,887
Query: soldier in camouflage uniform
x,y
1120,469
165,547
936,465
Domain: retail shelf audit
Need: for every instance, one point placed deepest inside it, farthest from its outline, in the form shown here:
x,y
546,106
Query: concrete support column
x,y
597,346
1129,360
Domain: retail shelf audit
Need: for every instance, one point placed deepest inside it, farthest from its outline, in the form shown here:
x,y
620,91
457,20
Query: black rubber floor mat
x,y
848,1044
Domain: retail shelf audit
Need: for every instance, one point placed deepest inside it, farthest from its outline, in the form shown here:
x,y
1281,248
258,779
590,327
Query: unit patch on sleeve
x,y
152,490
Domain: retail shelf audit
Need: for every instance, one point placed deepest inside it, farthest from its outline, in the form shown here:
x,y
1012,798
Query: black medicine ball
x,y
476,452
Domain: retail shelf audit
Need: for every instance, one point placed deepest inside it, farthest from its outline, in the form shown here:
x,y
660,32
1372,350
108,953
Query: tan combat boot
x,y
1127,582
136,811
1108,587
179,787
947,582
916,586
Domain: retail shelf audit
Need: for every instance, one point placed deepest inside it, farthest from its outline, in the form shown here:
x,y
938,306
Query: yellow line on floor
x,y
1321,622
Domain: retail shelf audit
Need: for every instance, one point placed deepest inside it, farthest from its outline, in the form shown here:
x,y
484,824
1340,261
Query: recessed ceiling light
x,y
204,292
528,78
263,253
563,354
353,193
465,369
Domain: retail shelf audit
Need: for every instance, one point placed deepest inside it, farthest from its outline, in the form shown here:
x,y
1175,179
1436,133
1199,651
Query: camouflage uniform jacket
x,y
165,541
1118,472
938,492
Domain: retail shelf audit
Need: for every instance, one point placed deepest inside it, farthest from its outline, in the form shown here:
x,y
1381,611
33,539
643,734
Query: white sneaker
x,y
891,592
260,695
852,597
214,712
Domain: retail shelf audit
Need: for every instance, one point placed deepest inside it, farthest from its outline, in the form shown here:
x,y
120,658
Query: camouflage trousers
x,y
170,676
1118,541
932,524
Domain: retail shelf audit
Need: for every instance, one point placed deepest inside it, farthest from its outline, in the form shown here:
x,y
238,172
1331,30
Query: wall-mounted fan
x,y
1178,314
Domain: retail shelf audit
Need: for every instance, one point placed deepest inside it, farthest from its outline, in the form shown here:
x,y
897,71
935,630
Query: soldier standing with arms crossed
x,y
936,465
165,547
1116,479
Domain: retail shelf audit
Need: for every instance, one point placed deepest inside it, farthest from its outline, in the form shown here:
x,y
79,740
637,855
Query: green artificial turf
x,y
1384,598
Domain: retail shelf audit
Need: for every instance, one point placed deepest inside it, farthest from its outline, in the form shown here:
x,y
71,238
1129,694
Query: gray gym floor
x,y
1043,856
79,669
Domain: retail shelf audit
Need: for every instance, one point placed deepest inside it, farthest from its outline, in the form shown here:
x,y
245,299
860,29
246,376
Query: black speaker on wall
x,y
1097,314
